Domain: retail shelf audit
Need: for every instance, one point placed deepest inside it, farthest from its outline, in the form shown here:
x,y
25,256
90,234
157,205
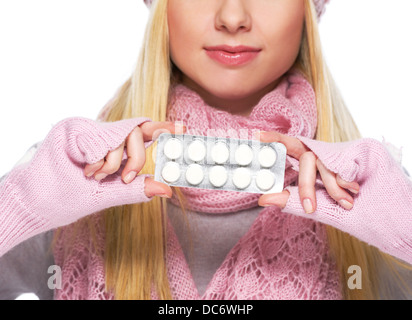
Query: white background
x,y
61,59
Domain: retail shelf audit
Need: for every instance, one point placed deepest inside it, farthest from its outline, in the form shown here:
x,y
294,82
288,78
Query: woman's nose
x,y
233,16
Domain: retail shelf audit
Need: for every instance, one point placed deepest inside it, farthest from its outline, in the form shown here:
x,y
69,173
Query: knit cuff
x,y
339,157
100,138
17,223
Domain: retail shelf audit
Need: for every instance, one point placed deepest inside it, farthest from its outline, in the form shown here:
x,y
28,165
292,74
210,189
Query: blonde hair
x,y
136,234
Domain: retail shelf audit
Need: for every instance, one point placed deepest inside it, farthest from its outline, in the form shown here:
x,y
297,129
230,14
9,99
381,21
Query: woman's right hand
x,y
51,190
136,157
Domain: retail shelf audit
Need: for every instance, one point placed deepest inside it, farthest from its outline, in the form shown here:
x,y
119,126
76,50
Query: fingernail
x,y
163,195
267,204
130,176
353,190
179,128
262,134
90,174
307,205
100,176
257,134
346,204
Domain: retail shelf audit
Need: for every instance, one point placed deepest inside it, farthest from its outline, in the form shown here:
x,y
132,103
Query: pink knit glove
x,y
52,191
382,212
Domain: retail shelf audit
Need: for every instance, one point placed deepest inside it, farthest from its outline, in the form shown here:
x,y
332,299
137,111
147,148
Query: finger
x,y
155,188
351,186
112,163
332,187
136,153
274,199
151,130
295,148
90,169
307,180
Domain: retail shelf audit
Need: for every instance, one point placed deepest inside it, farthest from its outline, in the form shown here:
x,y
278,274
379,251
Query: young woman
x,y
224,67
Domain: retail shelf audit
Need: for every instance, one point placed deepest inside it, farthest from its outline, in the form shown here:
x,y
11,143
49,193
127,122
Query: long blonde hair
x,y
136,235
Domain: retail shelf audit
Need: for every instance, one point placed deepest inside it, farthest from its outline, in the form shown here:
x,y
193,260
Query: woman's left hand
x,y
309,165
381,214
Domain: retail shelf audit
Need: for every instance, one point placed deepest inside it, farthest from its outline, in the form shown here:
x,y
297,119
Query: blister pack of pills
x,y
220,163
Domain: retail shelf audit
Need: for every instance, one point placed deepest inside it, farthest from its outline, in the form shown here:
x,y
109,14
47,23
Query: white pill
x,y
241,178
196,150
267,157
265,180
220,153
194,174
173,149
171,172
244,155
218,176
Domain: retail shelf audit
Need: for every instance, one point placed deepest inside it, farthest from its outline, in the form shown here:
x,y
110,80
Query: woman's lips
x,y
232,58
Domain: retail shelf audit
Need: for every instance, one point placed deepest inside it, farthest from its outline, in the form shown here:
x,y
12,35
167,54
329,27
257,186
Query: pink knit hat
x,y
319,5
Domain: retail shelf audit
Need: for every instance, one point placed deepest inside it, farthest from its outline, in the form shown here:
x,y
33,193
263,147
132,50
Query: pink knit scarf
x,y
289,109
281,256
